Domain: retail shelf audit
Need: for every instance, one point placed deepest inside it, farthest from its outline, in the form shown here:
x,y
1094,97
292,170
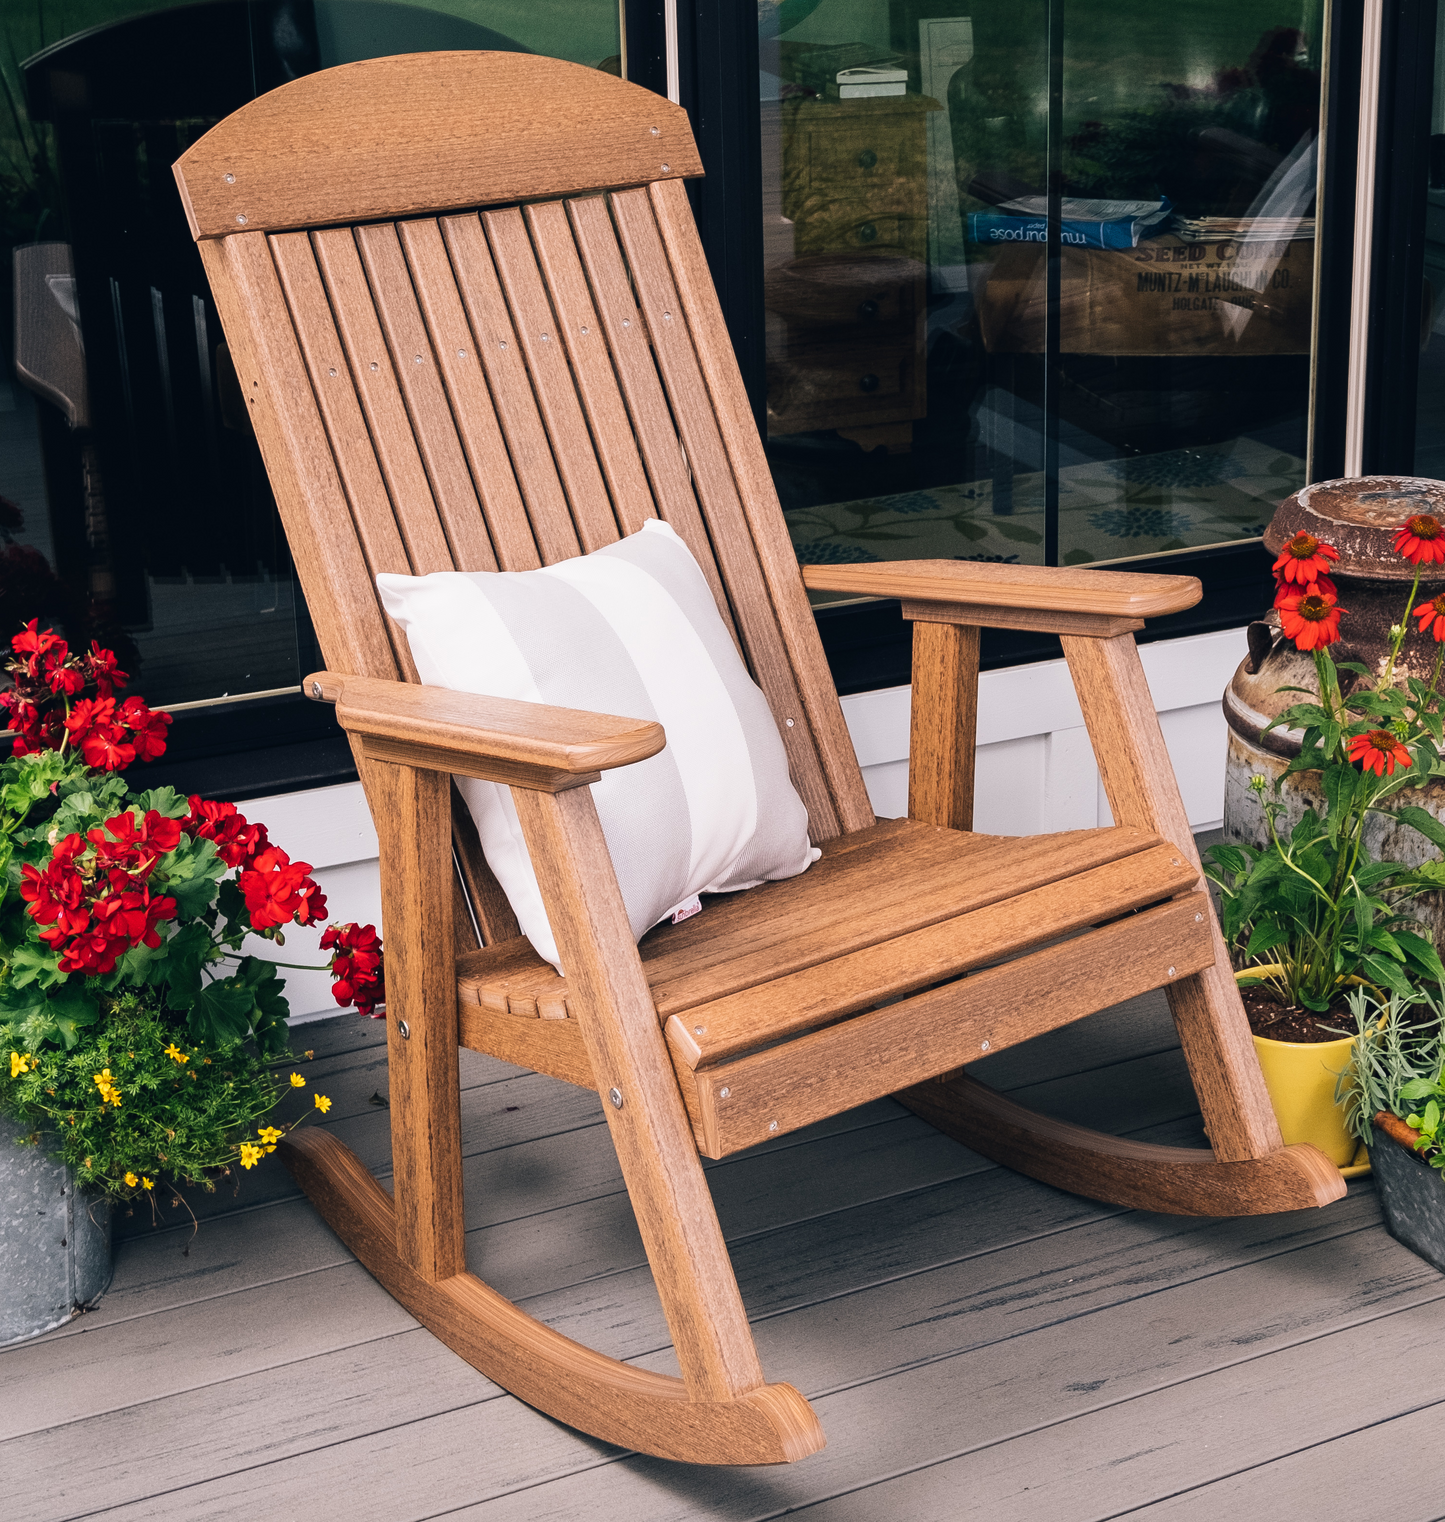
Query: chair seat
x,y
888,911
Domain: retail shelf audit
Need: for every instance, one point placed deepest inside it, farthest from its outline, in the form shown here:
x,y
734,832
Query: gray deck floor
x,y
976,1344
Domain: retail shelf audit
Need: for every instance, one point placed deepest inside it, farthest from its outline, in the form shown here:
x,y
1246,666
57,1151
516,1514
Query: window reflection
x,y
133,504
916,364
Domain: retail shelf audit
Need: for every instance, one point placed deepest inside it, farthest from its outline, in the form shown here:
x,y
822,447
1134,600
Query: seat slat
x,y
416,368
884,885
471,403
511,388
641,386
830,990
586,347
712,476
387,422
536,327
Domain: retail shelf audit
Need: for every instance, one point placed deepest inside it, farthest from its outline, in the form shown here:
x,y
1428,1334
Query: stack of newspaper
x,y
1084,223
1244,229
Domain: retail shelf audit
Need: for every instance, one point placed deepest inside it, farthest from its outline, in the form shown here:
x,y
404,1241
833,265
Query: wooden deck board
x,y
966,1332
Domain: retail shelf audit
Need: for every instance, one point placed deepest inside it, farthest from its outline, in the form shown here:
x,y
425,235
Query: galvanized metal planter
x,y
54,1243
1412,1195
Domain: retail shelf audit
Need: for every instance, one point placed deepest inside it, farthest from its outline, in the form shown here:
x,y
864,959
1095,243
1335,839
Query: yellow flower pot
x,y
1300,1077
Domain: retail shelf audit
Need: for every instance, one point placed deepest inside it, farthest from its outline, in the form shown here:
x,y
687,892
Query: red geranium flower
x,y
357,963
1421,539
1286,589
278,891
1304,559
236,840
1432,617
1379,751
1311,620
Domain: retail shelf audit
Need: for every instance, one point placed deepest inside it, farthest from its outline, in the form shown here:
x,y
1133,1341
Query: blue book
x,y
1130,220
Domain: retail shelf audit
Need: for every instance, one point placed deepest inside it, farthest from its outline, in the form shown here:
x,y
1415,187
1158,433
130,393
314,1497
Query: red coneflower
x,y
1305,559
1421,539
1432,617
1286,589
1310,619
1380,752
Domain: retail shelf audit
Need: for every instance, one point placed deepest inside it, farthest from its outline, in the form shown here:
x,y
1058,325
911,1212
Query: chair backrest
x,y
476,330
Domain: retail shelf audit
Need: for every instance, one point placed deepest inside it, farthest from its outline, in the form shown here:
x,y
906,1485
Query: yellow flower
x,y
297,1081
131,1180
322,1103
250,1155
176,1054
146,1183
270,1134
109,1094
19,1064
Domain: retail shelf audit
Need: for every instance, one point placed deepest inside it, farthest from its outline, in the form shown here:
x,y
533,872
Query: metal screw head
x,y
230,179
584,332
418,359
502,344
461,353
316,689
626,322
983,1046
375,366
667,316
331,372
1171,972
699,1030
241,220
772,1125
653,130
615,1095
546,339
723,1093
1197,918
666,168
403,1030
788,722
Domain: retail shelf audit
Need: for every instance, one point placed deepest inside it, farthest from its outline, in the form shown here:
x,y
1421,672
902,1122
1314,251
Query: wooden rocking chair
x,y
475,330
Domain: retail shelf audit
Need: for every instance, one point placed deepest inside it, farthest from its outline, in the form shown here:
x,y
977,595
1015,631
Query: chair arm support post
x,y
412,809
943,724
519,744
650,1129
1142,790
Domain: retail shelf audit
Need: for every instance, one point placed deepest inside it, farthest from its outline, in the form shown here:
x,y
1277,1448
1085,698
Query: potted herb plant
x,y
137,1040
1394,1098
1312,916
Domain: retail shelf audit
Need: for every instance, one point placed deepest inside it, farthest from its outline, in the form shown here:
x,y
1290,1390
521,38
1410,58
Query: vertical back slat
x,y
331,383
381,400
712,476
586,347
511,388
637,374
294,445
471,404
415,366
728,399
552,383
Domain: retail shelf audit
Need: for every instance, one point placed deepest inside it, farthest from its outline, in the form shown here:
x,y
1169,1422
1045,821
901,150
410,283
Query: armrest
x,y
521,744
1057,599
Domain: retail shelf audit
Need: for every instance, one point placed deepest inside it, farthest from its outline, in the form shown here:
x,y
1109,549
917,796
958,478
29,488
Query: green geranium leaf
x,y
221,1013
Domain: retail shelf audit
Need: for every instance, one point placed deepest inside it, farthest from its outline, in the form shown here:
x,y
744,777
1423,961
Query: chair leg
x,y
720,1411
1140,784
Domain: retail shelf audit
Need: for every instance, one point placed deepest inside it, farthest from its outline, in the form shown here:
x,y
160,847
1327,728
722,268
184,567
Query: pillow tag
x,y
687,910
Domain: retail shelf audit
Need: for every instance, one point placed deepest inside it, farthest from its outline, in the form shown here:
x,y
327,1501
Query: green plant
x,y
1311,911
1397,1060
139,1031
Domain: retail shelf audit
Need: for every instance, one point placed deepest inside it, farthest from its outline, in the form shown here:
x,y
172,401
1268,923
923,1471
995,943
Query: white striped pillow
x,y
631,629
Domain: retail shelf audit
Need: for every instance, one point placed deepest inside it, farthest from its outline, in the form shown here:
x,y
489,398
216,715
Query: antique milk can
x,y
1359,517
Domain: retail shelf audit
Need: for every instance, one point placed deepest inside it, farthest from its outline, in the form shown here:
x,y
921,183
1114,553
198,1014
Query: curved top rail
x,y
423,133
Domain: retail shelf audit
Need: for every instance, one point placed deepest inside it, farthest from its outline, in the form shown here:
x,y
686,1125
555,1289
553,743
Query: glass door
x,y
1038,275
